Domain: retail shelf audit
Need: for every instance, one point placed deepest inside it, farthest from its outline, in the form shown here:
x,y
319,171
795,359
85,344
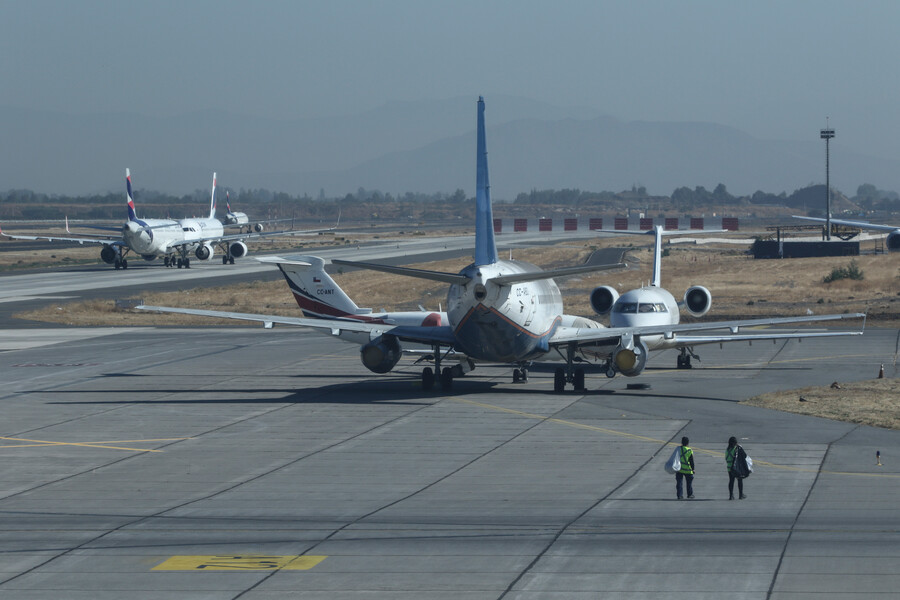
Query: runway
x,y
261,464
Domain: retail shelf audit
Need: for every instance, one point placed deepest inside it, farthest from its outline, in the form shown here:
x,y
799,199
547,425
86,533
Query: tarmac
x,y
261,464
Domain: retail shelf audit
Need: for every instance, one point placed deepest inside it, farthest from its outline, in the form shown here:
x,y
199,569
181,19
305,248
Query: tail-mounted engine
x,y
204,252
697,300
630,361
108,254
603,298
381,354
238,249
893,241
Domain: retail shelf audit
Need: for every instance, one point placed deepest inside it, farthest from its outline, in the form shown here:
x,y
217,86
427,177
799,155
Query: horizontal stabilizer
x,y
564,272
419,273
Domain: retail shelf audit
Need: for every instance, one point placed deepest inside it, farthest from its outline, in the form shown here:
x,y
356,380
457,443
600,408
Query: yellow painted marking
x,y
642,438
240,562
104,445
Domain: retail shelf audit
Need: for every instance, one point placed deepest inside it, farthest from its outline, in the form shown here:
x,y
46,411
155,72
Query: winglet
x,y
212,199
130,198
485,247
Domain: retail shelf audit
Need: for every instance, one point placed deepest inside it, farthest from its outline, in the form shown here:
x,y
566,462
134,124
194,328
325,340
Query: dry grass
x,y
872,402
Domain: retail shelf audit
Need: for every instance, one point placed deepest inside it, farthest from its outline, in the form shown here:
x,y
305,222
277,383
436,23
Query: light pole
x,y
826,134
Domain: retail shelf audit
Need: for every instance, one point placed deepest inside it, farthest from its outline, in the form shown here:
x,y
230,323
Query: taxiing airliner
x,y
174,240
498,311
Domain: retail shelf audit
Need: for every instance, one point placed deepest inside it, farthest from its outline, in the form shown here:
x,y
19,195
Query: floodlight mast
x,y
826,134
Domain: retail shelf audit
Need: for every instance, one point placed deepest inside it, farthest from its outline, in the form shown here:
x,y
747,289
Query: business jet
x,y
893,232
174,240
498,311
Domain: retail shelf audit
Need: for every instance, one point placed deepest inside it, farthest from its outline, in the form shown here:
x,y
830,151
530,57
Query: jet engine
x,y
108,254
258,227
238,249
630,362
893,241
603,298
381,354
697,300
204,252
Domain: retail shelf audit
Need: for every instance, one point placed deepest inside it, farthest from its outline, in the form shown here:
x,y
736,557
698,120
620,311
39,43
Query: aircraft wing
x,y
108,240
419,334
590,335
859,224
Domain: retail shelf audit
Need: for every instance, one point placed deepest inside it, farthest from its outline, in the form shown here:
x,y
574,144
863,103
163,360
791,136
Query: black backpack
x,y
739,467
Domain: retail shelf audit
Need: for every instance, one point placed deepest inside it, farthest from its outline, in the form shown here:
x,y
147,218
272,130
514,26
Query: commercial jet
x,y
174,240
893,232
498,311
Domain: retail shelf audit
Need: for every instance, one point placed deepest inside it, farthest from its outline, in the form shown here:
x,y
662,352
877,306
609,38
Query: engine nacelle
x,y
238,249
236,218
893,241
381,354
108,254
697,300
258,227
630,361
603,298
204,252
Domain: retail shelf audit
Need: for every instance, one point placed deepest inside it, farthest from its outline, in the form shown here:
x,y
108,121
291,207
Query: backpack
x,y
743,464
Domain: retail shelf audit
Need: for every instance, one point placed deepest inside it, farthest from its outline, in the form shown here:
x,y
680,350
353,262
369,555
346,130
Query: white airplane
x,y
499,311
653,305
893,232
174,240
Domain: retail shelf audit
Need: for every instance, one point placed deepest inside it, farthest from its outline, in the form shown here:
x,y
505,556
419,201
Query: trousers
x,y
690,483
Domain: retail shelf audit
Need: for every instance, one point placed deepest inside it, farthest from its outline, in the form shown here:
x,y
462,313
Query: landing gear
x,y
520,375
446,378
569,374
684,358
444,375
121,263
427,378
559,380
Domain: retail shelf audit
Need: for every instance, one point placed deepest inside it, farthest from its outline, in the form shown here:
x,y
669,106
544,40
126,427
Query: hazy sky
x,y
773,69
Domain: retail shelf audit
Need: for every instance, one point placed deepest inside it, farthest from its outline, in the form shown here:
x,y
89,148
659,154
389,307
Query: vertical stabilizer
x,y
129,197
485,247
212,199
657,255
318,295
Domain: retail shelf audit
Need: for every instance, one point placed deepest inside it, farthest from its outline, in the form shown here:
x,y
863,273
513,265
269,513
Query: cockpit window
x,y
652,307
627,307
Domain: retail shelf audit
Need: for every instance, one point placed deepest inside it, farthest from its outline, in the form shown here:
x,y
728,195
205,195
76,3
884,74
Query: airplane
x,y
174,240
498,311
653,305
893,232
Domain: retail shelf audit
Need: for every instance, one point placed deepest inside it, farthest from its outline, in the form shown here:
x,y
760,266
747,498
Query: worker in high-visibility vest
x,y
686,455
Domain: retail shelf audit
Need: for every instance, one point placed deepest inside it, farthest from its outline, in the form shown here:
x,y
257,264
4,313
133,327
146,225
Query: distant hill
x,y
425,146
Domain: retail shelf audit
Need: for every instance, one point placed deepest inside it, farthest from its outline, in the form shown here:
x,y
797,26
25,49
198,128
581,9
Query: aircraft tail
x,y
317,294
212,199
132,216
657,256
485,246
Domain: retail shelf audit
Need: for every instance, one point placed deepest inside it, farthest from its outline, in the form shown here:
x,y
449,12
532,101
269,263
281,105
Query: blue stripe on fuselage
x,y
485,334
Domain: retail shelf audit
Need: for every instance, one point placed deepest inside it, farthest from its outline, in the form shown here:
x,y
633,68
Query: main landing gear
x,y
443,375
684,358
120,263
520,375
227,259
569,374
178,262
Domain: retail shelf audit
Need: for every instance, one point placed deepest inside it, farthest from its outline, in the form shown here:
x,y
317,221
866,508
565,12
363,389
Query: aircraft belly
x,y
491,337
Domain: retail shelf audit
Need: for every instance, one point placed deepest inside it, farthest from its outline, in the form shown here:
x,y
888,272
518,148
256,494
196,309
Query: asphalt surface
x,y
262,464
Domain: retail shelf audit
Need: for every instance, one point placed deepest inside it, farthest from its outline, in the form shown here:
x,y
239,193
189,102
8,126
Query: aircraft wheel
x,y
559,379
224,260
524,375
166,261
124,264
516,376
427,378
578,381
446,378
118,264
187,263
230,260
610,372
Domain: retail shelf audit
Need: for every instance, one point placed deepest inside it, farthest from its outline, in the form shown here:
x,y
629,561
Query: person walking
x,y
687,469
731,454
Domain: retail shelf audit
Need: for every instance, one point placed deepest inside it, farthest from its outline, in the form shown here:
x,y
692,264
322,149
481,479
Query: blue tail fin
x,y
130,199
485,247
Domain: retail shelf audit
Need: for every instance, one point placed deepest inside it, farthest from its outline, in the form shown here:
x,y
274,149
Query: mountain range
x,y
424,146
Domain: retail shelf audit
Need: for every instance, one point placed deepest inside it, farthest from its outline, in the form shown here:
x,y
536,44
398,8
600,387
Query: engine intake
x,y
630,361
697,300
893,241
603,298
108,254
381,354
258,227
238,249
204,252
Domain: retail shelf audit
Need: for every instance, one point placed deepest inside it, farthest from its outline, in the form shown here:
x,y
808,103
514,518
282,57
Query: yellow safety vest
x,y
686,454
